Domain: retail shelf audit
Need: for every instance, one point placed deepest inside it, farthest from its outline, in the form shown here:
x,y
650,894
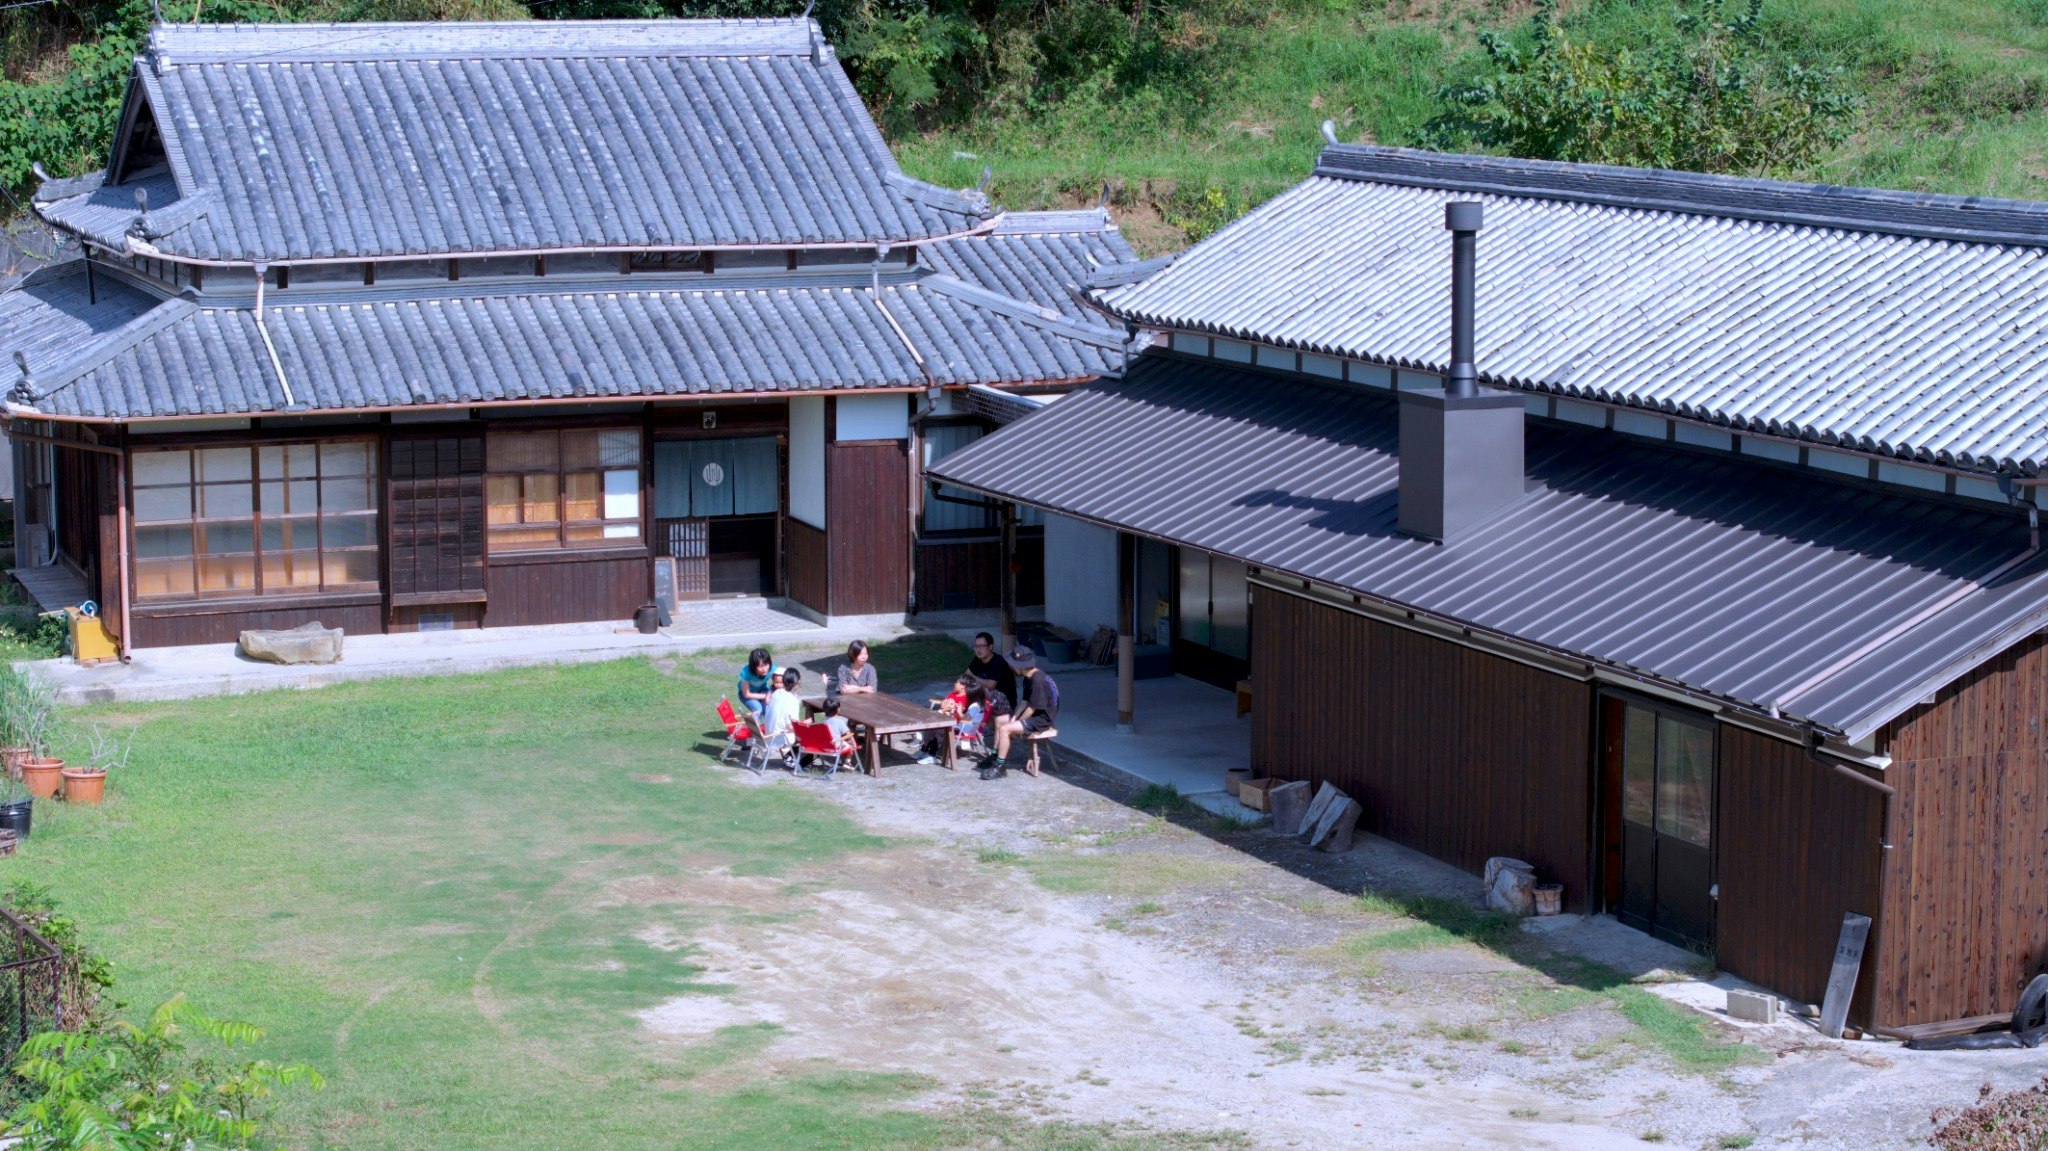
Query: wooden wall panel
x,y
566,588
1797,844
810,565
959,574
867,494
199,623
1454,752
1966,912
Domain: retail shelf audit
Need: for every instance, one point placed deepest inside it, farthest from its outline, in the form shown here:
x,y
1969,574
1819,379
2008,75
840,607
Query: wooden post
x,y
1007,561
1126,631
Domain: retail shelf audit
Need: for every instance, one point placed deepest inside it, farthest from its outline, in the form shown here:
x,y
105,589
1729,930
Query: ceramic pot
x,y
84,784
41,776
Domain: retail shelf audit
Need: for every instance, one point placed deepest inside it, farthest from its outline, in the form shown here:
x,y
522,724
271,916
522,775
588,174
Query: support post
x,y
1126,631
1008,564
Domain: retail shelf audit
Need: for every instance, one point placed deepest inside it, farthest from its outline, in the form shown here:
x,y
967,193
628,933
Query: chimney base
x,y
1461,459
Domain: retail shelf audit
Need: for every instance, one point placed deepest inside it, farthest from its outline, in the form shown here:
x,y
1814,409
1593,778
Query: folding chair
x,y
739,735
766,746
815,740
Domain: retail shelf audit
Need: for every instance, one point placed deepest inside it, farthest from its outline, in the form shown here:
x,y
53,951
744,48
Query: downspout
x,y
1919,617
122,526
264,331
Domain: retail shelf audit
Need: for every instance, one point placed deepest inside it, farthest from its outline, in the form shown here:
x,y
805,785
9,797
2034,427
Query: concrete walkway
x,y
1187,734
218,669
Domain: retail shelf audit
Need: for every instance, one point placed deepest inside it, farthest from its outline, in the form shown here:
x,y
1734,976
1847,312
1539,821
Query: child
x,y
757,681
842,734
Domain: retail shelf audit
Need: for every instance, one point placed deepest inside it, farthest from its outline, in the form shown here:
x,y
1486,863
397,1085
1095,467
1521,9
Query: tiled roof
x,y
1894,323
134,356
337,141
1727,577
1043,257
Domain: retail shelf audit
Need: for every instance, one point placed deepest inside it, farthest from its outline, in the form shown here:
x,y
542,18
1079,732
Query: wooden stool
x,y
1040,737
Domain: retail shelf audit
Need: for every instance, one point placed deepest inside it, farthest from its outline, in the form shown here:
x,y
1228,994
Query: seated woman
x,y
856,676
757,681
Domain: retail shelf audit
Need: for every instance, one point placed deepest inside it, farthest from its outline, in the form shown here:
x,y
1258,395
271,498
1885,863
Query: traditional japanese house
x,y
1698,562
399,326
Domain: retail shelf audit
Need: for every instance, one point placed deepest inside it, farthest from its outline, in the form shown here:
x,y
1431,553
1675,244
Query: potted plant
x,y
17,807
35,721
12,747
106,752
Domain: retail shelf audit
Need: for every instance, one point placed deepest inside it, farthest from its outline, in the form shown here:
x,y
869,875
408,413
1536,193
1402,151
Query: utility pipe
x,y
263,331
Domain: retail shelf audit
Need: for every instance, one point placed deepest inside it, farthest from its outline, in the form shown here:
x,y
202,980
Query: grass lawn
x,y
411,885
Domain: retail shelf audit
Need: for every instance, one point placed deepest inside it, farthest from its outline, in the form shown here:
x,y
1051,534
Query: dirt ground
x,y
1043,947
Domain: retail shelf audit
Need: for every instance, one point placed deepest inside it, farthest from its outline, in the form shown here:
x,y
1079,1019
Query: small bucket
x,y
647,618
1549,898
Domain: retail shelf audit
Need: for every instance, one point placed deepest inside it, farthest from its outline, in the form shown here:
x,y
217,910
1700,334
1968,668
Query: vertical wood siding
x,y
1796,846
566,590
867,497
810,565
1967,889
1452,751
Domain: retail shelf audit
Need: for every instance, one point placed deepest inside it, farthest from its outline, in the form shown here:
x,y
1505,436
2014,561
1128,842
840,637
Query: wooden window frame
x,y
256,481
495,531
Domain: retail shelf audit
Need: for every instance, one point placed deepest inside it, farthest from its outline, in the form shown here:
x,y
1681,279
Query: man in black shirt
x,y
1036,710
990,669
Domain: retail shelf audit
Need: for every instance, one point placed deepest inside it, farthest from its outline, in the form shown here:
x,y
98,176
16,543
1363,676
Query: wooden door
x,y
1662,775
436,523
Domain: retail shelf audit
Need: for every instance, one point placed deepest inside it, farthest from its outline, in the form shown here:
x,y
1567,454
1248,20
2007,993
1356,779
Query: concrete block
x,y
1289,801
1335,813
1752,1007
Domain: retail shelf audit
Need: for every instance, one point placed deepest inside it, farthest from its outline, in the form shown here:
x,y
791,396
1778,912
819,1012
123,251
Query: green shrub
x,y
1706,96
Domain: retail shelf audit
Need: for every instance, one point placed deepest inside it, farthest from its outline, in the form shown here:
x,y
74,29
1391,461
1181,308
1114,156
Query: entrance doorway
x,y
1657,818
717,510
1211,618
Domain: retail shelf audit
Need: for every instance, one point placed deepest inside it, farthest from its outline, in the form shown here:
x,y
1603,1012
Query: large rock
x,y
307,643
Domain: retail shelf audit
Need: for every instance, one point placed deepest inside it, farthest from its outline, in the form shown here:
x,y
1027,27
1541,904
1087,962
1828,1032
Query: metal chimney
x,y
1463,219
1461,445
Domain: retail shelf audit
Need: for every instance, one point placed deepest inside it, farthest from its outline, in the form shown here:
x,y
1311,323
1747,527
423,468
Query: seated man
x,y
989,668
1039,709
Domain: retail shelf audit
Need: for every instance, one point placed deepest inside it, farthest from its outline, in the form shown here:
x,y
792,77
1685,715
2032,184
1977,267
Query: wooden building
x,y
1719,595
427,326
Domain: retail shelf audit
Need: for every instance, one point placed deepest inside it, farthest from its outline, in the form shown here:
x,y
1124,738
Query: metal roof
x,y
133,355
1738,580
336,141
1900,324
1043,257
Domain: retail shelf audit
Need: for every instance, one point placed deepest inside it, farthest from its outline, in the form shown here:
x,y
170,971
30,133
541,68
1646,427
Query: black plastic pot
x,y
15,816
648,619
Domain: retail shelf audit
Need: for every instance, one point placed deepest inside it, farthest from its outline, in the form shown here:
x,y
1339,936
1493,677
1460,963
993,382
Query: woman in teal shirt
x,y
757,681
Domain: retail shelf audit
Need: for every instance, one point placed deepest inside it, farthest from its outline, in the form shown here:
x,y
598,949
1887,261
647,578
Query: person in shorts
x,y
1037,709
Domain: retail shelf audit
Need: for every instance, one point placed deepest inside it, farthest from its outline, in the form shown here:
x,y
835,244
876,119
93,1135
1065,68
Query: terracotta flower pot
x,y
84,784
12,757
41,776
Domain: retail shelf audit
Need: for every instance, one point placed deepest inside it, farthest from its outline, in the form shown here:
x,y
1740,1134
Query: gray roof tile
x,y
1895,323
1043,257
346,141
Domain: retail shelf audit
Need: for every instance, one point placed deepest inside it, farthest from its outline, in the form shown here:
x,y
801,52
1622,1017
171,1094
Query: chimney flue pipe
x,y
1463,219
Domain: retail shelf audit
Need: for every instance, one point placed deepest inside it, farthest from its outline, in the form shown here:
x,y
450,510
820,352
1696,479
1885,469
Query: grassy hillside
x,y
1953,98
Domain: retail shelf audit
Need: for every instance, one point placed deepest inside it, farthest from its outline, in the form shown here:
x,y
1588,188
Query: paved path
x,y
217,669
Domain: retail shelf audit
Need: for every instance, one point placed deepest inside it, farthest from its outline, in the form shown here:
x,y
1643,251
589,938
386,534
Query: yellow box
x,y
90,640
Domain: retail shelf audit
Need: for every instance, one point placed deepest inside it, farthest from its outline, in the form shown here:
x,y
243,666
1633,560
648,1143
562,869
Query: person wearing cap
x,y
1039,706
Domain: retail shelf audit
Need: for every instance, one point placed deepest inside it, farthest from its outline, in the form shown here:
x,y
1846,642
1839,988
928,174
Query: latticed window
x,y
255,519
563,489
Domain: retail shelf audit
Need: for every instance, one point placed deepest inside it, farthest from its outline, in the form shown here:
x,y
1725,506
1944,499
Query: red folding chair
x,y
816,741
739,734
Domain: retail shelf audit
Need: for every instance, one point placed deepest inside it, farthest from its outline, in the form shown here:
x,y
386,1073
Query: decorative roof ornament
x,y
811,29
24,391
140,228
1330,131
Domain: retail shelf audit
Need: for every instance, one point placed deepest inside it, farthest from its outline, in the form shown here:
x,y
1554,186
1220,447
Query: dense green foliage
x,y
1197,106
1707,98
139,1087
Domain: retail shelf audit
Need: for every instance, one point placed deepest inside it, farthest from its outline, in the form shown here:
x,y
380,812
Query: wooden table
x,y
880,714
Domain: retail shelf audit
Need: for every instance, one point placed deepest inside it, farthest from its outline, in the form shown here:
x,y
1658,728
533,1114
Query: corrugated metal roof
x,y
342,140
463,344
1732,578
1043,257
1818,313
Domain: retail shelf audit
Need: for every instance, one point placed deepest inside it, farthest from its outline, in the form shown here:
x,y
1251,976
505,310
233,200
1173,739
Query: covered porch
x,y
1182,733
